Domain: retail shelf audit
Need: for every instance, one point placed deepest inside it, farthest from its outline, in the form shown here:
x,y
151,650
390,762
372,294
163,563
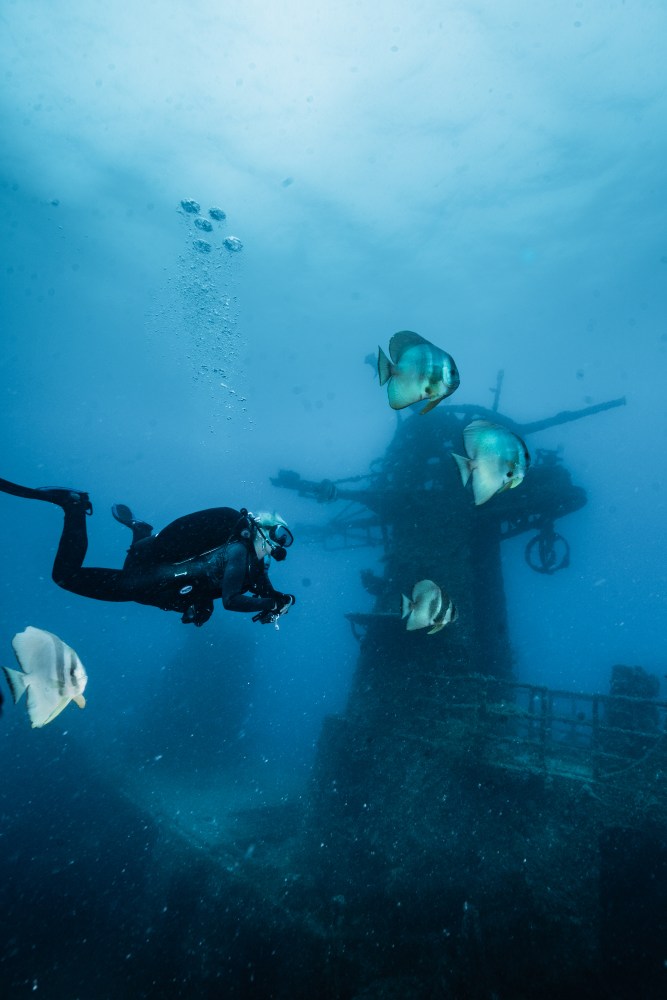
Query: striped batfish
x,y
51,675
498,459
424,607
417,370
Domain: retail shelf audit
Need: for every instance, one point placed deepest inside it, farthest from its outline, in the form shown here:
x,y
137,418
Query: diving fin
x,y
123,514
139,529
64,498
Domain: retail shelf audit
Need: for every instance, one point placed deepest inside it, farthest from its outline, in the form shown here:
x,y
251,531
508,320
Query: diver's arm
x,y
262,585
234,584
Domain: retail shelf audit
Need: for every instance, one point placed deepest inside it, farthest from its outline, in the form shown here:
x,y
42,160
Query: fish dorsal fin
x,y
401,341
423,588
35,650
471,435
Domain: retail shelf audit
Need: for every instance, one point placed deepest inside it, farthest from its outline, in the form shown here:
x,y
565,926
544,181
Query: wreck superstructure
x,y
463,834
414,506
449,795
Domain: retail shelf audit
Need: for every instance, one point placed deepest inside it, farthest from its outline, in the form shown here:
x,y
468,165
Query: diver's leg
x,y
102,584
72,547
68,571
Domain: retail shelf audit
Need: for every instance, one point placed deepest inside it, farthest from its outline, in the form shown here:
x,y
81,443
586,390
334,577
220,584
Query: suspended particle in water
x,y
204,224
190,205
202,246
233,244
217,214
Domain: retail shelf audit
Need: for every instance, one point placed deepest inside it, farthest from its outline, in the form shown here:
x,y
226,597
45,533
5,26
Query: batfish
x,y
428,608
51,675
497,459
417,370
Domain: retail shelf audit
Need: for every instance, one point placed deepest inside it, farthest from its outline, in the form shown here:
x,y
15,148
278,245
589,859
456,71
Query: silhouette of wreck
x,y
472,834
462,834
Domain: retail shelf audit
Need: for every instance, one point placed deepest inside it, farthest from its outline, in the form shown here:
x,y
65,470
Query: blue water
x,y
488,174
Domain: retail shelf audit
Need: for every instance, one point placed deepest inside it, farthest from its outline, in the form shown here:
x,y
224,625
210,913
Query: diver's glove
x,y
282,605
266,617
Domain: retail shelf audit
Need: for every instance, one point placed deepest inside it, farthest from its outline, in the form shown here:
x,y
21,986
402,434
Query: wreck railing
x,y
519,726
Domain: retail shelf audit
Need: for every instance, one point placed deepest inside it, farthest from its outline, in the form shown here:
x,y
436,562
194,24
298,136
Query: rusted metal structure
x,y
449,795
463,834
412,504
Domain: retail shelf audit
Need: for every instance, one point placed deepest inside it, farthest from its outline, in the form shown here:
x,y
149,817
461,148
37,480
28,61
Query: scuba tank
x,y
191,536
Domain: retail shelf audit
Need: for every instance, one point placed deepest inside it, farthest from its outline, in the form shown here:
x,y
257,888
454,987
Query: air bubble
x,y
190,206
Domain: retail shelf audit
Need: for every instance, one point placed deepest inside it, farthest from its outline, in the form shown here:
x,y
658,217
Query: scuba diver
x,y
220,552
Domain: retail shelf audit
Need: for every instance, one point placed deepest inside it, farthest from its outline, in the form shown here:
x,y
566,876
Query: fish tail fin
x,y
18,682
464,466
406,606
384,367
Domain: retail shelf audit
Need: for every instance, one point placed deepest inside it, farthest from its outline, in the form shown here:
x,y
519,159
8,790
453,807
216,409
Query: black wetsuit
x,y
184,567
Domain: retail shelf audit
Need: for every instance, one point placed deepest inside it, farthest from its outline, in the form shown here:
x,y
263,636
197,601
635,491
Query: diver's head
x,y
277,536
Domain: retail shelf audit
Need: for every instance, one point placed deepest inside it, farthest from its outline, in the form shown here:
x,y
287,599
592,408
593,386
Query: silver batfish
x,y
427,608
417,370
423,608
51,675
497,459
